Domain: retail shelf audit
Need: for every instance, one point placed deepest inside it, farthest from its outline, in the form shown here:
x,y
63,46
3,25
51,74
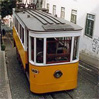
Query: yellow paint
x,y
23,54
44,81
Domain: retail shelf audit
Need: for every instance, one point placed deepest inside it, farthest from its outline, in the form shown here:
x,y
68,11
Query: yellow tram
x,y
48,48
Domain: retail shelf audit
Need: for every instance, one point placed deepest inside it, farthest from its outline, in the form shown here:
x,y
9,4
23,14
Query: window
x,y
32,48
19,28
39,50
89,25
54,10
62,12
22,34
16,24
73,16
58,49
48,6
75,49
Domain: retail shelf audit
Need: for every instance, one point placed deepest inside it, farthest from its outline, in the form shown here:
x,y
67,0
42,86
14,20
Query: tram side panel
x,y
43,80
22,53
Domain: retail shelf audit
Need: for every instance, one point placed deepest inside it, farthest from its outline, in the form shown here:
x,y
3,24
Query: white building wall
x,y
83,7
27,1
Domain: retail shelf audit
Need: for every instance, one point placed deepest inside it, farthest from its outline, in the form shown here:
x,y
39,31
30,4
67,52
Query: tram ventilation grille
x,y
65,27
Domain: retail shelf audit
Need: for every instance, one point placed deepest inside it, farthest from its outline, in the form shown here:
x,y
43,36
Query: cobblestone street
x,y
87,83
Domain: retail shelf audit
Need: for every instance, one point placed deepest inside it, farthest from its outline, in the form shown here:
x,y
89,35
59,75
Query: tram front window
x,y
58,49
75,49
39,50
32,49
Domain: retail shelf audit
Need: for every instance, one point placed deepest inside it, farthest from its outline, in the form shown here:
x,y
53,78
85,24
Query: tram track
x,y
91,74
62,94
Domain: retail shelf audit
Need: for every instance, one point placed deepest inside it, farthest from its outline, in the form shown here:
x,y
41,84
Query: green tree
x,y
6,7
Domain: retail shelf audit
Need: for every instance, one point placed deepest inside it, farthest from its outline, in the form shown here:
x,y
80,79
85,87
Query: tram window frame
x,y
39,50
19,28
22,34
16,24
32,48
20,31
34,61
61,56
75,48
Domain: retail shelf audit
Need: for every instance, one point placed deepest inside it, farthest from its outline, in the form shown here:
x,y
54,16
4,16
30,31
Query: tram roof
x,y
37,20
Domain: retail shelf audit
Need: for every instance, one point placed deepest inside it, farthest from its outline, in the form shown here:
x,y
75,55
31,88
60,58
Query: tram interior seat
x,y
57,52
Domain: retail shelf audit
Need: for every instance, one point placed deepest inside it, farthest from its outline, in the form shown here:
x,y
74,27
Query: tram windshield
x,y
32,49
75,49
58,49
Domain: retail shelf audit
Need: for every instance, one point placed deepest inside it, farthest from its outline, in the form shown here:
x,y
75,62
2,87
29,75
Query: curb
x,y
6,78
90,66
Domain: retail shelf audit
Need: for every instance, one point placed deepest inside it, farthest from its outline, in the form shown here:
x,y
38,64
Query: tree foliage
x,y
6,7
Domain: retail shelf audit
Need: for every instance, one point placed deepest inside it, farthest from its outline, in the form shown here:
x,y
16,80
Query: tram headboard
x,y
57,27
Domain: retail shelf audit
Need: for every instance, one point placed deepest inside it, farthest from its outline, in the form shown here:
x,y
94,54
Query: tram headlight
x,y
58,74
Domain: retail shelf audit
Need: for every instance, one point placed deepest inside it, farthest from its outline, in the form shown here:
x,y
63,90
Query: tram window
x,y
22,35
58,49
19,28
20,31
75,49
39,50
32,49
16,24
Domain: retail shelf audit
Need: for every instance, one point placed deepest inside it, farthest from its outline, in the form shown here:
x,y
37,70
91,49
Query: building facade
x,y
84,13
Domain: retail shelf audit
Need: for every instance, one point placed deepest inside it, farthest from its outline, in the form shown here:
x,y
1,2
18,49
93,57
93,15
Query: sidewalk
x,y
4,82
